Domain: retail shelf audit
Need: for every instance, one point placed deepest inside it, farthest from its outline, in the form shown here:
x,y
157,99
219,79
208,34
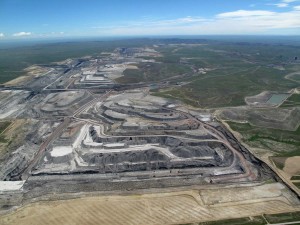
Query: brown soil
x,y
162,208
292,166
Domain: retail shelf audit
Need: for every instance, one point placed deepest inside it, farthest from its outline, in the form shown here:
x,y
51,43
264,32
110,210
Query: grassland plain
x,y
274,118
296,78
237,71
153,72
259,136
14,61
284,146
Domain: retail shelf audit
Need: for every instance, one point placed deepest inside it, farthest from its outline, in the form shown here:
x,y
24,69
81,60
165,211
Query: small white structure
x,y
61,151
11,185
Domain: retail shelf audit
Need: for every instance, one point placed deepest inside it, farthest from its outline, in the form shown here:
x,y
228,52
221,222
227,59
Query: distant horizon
x,y
258,38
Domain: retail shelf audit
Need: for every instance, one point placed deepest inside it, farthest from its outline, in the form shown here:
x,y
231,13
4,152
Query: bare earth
x,y
292,166
32,71
17,81
160,208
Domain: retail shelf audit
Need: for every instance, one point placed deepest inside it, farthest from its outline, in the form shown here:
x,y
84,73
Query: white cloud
x,y
179,21
1,35
297,7
255,22
281,5
262,20
245,13
54,33
289,1
49,34
21,34
236,22
156,23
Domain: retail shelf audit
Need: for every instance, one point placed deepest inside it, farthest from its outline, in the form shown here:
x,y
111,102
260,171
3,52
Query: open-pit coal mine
x,y
77,136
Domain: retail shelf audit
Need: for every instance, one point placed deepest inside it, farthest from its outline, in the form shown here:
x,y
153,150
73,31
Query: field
x,y
258,220
284,146
236,71
292,101
153,72
263,137
295,177
297,184
283,217
182,207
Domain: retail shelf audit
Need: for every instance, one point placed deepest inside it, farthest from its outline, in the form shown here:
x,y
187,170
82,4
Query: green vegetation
x,y
295,76
14,60
236,71
257,220
2,139
292,101
283,217
296,180
296,177
297,184
252,134
215,90
153,72
3,126
279,162
131,76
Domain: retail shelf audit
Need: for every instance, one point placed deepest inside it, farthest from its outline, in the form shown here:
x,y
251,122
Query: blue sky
x,y
99,18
